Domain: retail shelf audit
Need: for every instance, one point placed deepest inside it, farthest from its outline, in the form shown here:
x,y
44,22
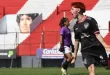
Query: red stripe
x,y
97,32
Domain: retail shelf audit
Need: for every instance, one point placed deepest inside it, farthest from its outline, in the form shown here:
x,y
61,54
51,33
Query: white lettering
x,y
3,53
52,51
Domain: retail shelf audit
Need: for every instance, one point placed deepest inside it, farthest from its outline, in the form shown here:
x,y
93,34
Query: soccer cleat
x,y
64,72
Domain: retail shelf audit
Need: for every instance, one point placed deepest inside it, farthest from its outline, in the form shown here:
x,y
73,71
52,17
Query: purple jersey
x,y
66,34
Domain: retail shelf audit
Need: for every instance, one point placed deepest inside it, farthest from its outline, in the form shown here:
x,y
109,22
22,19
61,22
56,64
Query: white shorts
x,y
67,50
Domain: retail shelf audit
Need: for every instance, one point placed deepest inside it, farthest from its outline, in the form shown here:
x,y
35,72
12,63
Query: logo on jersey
x,y
76,28
85,61
86,25
101,57
84,35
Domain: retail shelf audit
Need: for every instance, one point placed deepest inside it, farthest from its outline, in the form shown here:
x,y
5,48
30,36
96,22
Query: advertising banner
x,y
7,54
49,54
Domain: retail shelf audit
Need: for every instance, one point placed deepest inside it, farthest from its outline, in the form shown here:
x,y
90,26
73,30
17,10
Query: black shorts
x,y
91,59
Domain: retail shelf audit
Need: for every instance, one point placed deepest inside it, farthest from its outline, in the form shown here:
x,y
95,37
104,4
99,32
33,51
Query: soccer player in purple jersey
x,y
66,44
93,47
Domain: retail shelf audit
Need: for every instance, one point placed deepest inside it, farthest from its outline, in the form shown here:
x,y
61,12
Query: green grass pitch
x,y
49,71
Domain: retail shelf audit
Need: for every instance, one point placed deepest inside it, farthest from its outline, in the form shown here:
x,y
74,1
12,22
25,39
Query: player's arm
x,y
61,49
61,39
101,40
61,36
76,47
97,32
76,43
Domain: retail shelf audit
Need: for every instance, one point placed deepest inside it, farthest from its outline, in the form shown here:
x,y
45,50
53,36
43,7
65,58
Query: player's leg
x,y
68,55
67,60
91,69
89,63
63,66
65,63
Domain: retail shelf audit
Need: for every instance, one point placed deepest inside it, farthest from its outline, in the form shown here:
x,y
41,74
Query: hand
x,y
73,60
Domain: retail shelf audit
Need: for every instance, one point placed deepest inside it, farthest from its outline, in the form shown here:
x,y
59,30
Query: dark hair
x,y
33,16
79,5
62,21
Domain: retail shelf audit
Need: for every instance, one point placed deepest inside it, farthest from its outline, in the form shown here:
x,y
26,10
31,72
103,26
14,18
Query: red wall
x,y
10,6
50,27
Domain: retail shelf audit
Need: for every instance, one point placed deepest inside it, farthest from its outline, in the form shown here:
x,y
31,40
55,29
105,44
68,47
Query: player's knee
x,y
91,69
